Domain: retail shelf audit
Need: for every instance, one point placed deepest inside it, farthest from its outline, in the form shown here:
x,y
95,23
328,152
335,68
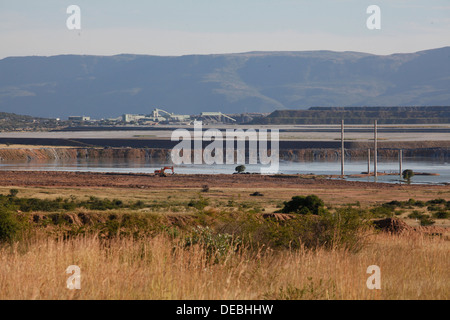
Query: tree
x,y
408,174
13,193
240,169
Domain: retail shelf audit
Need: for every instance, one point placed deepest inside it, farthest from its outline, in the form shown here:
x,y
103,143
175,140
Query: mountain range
x,y
108,86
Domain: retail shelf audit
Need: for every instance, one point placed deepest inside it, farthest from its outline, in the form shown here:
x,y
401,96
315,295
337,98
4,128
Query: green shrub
x,y
95,203
13,192
231,203
10,226
117,203
138,205
441,215
12,202
69,206
415,215
420,204
341,229
382,211
111,228
199,204
437,201
425,220
434,208
216,245
393,203
311,204
399,212
344,229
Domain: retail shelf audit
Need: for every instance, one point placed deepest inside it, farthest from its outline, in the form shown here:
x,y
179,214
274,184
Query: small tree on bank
x,y
240,169
407,175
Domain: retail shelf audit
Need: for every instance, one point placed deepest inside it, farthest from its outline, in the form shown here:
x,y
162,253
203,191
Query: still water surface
x,y
425,165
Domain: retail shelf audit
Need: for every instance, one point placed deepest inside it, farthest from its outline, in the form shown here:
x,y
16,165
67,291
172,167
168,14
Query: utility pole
x,y
368,161
400,162
375,149
342,149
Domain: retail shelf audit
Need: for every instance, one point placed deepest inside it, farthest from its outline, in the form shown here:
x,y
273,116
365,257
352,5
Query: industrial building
x,y
157,116
165,117
160,115
133,117
215,117
79,118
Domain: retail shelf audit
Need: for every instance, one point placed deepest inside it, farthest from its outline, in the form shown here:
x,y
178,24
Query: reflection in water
x,y
425,165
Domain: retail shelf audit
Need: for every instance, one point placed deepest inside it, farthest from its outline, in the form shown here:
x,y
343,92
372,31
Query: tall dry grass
x,y
412,267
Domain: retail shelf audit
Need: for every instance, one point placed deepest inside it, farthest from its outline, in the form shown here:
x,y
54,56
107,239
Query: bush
x,y
420,204
240,169
393,203
138,205
13,203
13,192
383,211
415,215
9,226
399,212
441,215
433,208
425,220
437,201
343,229
216,245
199,204
304,205
111,228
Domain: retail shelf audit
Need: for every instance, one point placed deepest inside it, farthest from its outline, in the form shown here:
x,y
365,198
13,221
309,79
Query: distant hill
x,y
359,115
99,86
13,122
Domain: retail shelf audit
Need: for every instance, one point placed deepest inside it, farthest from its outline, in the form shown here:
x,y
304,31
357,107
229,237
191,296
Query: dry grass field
x,y
159,265
412,267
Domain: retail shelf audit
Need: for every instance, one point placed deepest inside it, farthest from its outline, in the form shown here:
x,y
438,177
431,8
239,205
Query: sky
x,y
182,27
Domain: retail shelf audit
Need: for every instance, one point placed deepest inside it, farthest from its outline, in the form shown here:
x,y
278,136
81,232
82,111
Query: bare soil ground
x,y
274,189
144,181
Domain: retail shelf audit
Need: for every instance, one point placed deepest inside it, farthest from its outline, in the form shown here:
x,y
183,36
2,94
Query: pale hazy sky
x,y
179,27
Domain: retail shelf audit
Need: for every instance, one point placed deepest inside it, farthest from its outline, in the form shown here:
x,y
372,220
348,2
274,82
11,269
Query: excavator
x,y
162,172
